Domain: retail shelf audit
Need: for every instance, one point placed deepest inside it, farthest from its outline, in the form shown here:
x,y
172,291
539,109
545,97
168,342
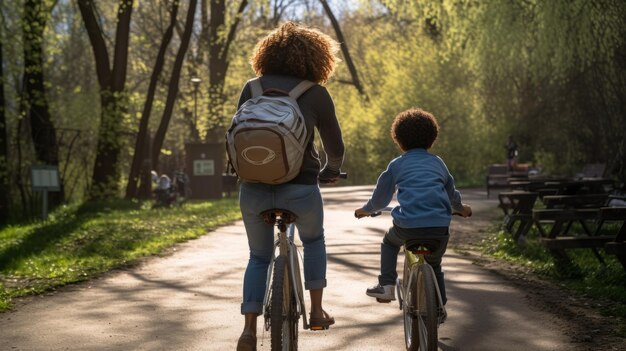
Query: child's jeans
x,y
396,237
305,201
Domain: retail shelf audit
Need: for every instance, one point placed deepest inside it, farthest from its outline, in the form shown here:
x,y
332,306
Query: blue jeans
x,y
396,237
305,201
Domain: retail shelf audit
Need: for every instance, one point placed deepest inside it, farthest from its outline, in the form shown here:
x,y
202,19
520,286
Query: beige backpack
x,y
267,138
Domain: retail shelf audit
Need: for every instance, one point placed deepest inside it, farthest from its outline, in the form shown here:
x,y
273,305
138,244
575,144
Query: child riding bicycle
x,y
426,195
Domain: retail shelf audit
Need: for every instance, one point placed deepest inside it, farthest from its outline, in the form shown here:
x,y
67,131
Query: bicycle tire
x,y
282,326
426,312
411,327
294,300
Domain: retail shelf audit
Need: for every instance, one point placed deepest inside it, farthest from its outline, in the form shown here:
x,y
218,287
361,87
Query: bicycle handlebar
x,y
342,175
388,209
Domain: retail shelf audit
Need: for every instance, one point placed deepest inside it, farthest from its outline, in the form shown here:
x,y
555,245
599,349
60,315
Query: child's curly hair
x,y
298,51
414,128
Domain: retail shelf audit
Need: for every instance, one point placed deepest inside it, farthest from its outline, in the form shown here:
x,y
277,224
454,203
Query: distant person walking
x,y
511,153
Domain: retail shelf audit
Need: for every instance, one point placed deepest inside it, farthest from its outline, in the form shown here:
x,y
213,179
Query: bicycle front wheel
x,y
283,324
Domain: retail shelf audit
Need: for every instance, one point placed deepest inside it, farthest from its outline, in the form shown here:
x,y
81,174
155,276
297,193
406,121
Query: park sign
x,y
45,178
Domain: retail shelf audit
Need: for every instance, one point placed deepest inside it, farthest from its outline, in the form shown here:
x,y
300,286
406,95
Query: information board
x,y
203,167
45,178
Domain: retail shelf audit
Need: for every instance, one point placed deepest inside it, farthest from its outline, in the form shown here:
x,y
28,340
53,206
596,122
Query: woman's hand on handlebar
x,y
330,176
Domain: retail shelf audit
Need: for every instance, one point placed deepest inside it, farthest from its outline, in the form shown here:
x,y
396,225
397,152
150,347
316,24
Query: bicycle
x,y
418,295
283,303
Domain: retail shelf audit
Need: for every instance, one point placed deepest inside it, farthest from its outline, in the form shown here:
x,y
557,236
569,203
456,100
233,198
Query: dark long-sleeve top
x,y
426,191
318,110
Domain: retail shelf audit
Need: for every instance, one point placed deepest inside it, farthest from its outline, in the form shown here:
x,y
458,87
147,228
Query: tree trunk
x,y
344,49
34,96
142,155
172,92
219,46
4,146
112,96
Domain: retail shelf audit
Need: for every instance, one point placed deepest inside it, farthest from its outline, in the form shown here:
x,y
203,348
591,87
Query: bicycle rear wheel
x,y
409,303
283,324
426,308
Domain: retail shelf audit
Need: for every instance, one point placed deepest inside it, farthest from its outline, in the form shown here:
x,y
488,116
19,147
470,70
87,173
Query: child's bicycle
x,y
419,296
284,298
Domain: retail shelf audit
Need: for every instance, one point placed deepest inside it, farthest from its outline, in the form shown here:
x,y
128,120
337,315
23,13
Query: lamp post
x,y
196,82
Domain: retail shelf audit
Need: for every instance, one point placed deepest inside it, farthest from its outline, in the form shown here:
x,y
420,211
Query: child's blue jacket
x,y
425,187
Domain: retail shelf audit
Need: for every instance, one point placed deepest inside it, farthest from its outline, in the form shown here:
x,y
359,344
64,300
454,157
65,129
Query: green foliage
x,y
548,72
406,70
79,242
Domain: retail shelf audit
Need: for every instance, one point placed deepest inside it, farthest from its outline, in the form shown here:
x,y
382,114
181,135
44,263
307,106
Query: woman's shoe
x,y
246,342
321,323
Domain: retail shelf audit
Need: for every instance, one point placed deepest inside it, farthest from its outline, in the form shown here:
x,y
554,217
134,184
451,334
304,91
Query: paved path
x,y
190,300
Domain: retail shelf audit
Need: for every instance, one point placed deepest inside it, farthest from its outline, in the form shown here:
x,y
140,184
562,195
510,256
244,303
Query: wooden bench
x,y
498,177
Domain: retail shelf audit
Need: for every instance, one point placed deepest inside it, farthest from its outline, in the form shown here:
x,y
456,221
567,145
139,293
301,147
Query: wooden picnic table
x,y
575,201
616,247
559,221
499,176
557,240
581,186
534,183
517,207
548,186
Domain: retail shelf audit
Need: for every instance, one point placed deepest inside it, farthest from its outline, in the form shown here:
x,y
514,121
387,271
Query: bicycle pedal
x,y
318,328
382,300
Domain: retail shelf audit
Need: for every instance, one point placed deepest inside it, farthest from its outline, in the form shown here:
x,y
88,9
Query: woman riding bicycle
x,y
284,58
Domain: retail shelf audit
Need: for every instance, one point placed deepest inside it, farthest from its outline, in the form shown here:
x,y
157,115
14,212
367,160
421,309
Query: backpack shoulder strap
x,y
300,89
256,87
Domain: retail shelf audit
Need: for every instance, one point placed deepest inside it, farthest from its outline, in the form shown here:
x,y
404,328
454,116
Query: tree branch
x,y
120,55
103,68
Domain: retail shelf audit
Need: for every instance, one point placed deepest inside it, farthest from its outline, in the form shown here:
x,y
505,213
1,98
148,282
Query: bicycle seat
x,y
430,245
269,216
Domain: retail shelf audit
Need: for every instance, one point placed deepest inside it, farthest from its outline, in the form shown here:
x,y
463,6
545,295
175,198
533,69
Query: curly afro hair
x,y
297,51
414,128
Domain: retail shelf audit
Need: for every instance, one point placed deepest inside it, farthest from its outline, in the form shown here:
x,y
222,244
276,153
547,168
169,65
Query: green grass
x,y
584,275
80,242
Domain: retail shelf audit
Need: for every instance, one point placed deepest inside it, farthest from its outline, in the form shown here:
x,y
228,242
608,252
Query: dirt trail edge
x,y
190,298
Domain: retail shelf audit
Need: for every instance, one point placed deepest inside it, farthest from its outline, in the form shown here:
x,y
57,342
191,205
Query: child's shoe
x,y
382,292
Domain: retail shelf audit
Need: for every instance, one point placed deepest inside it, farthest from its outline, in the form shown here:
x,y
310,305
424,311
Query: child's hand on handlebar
x,y
466,212
360,213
